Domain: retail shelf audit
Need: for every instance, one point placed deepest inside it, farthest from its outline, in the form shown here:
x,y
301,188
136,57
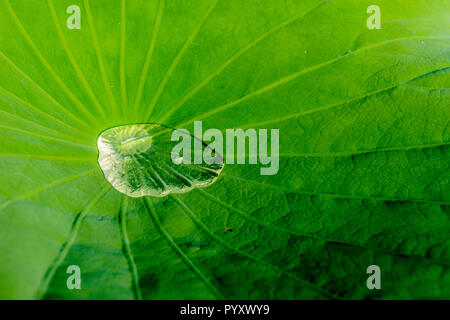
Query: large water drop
x,y
136,159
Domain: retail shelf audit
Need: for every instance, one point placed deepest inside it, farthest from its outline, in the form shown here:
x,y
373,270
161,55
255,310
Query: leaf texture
x,y
364,148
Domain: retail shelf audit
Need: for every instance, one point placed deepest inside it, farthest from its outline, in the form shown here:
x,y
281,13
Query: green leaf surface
x,y
364,148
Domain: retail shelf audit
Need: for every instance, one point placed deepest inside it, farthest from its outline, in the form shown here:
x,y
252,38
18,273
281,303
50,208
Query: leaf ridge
x,y
72,59
123,39
366,151
149,55
295,75
65,248
253,43
45,157
36,191
99,56
45,93
126,248
37,110
340,103
50,138
177,249
336,195
177,59
48,66
57,134
315,236
191,215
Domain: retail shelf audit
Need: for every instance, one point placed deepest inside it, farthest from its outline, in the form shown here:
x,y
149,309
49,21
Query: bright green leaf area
x,y
364,141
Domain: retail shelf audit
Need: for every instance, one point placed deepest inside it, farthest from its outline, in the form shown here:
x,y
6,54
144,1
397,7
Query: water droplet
x,y
136,160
